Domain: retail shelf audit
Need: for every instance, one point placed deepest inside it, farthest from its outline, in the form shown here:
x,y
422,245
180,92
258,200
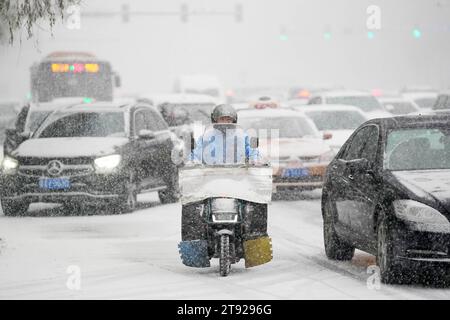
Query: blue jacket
x,y
212,148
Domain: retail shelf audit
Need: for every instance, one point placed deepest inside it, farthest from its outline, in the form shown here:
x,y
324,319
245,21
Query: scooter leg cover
x,y
257,251
194,253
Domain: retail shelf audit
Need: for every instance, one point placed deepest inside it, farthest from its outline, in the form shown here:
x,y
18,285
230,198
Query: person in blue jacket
x,y
224,143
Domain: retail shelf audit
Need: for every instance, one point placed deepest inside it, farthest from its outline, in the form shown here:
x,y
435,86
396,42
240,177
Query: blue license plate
x,y
295,172
54,183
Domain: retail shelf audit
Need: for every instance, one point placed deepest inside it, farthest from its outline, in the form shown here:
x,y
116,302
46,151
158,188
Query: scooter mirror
x,y
254,142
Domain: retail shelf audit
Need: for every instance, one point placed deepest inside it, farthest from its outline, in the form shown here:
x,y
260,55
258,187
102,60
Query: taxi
x,y
292,143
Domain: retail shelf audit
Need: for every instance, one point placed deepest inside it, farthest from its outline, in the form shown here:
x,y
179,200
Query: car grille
x,y
70,167
33,161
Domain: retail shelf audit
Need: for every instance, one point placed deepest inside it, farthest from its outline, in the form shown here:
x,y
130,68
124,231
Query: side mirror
x,y
117,81
327,136
146,134
25,135
192,143
254,142
360,165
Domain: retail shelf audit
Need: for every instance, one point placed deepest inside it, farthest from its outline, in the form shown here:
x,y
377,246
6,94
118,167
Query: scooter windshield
x,y
222,144
249,183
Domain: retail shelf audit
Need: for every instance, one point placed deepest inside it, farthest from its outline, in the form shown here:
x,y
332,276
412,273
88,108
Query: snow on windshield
x,y
179,114
336,120
399,108
295,127
86,124
365,103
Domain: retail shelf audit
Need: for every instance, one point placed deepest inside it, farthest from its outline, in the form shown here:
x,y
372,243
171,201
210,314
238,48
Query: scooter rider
x,y
212,146
210,149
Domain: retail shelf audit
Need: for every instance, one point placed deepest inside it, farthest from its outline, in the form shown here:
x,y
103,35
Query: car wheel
x,y
172,193
335,248
389,270
14,208
192,226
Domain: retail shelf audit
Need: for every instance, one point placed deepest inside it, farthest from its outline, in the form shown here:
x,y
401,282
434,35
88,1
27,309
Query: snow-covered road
x,y
135,256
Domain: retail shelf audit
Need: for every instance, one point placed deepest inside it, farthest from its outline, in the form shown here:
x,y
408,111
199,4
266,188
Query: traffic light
x,y
283,34
327,32
327,35
417,33
125,13
370,35
184,13
238,13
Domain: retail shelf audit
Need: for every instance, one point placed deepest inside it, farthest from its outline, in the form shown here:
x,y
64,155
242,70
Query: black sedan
x,y
387,192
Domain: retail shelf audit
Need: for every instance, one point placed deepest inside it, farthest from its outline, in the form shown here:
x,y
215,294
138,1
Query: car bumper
x,y
420,249
312,178
88,188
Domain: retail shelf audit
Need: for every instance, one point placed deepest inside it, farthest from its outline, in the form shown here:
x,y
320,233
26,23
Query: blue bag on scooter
x,y
194,253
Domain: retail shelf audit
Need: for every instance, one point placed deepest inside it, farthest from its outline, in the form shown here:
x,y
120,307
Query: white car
x,y
361,99
399,106
338,122
422,100
442,104
297,151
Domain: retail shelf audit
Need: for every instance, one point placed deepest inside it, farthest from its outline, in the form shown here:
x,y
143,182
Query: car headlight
x,y
108,163
9,164
421,217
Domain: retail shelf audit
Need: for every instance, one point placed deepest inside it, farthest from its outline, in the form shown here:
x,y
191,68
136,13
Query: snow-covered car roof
x,y
328,107
49,106
179,98
241,106
393,99
420,120
344,93
102,107
268,113
70,56
418,95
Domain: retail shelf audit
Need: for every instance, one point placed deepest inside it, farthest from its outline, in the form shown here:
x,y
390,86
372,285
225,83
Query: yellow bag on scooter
x,y
257,251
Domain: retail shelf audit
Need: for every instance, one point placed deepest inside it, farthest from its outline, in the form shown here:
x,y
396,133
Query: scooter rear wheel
x,y
224,260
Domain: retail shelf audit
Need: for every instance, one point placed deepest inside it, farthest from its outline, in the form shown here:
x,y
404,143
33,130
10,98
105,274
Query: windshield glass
x,y
399,107
35,119
86,124
179,114
295,127
336,120
418,149
426,103
365,103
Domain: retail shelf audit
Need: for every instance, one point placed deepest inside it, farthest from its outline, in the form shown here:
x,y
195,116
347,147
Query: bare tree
x,y
18,14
